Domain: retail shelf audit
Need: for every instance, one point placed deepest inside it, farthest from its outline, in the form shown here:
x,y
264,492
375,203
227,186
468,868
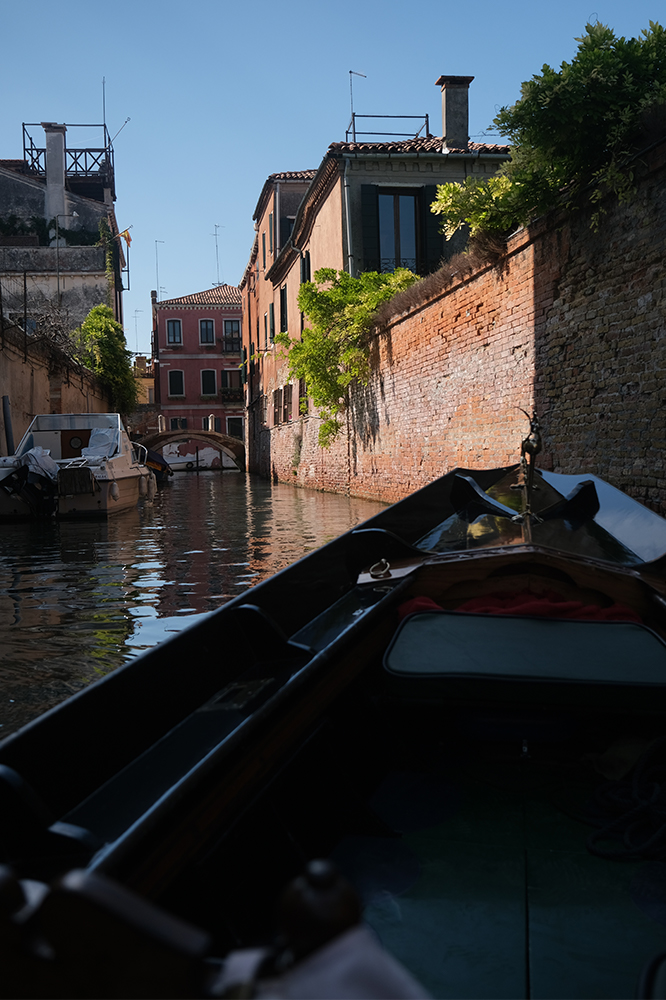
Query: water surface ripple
x,y
78,599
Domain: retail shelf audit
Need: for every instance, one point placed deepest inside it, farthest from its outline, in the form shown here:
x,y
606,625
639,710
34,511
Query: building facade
x,y
366,208
61,253
198,362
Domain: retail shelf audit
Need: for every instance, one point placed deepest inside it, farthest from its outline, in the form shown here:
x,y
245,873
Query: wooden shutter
x,y
369,258
433,239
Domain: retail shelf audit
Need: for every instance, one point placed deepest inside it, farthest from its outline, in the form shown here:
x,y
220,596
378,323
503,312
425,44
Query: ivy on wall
x,y
101,346
333,352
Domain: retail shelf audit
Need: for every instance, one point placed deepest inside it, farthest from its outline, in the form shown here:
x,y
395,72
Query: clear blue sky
x,y
221,95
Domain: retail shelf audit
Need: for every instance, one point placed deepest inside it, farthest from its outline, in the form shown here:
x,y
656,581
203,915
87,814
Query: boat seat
x,y
449,655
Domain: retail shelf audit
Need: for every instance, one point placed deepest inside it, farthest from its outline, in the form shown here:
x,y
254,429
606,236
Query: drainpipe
x,y
7,418
350,255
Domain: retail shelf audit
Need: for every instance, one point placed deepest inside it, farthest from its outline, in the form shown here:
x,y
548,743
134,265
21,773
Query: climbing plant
x,y
333,352
100,344
574,134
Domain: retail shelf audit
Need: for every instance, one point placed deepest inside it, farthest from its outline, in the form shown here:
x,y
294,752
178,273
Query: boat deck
x,y
465,847
501,898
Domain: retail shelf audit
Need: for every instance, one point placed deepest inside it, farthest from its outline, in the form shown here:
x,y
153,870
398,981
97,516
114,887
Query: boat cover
x,y
449,644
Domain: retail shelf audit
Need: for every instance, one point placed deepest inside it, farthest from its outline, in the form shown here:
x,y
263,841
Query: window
x,y
230,378
206,331
286,404
270,232
264,409
271,322
277,406
174,332
178,423
302,396
176,383
283,310
305,267
398,230
208,387
263,249
235,427
232,332
266,330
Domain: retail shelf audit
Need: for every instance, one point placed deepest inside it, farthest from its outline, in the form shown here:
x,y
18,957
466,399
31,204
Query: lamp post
x,y
71,215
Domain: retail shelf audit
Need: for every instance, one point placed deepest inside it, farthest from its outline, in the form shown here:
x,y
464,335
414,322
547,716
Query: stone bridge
x,y
231,446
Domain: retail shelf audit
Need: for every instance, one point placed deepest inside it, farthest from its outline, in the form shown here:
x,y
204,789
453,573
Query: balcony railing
x,y
232,394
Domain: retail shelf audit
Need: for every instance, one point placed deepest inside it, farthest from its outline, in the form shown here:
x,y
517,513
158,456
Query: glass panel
x,y
408,231
206,328
386,232
176,384
208,382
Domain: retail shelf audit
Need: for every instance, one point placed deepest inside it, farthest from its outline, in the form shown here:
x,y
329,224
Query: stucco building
x,y
366,208
197,355
56,205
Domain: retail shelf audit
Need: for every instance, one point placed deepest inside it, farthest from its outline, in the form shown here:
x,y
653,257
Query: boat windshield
x,y
621,531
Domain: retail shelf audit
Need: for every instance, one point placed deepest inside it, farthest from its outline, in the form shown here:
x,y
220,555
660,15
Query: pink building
x,y
198,361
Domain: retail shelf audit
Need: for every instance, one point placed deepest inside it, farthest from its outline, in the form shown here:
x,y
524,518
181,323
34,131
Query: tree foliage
x,y
574,130
333,352
101,345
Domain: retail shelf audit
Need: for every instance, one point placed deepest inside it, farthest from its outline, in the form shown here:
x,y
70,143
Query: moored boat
x,y
72,465
462,703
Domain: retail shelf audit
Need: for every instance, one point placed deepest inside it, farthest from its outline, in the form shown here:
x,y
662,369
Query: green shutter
x,y
271,321
369,228
433,243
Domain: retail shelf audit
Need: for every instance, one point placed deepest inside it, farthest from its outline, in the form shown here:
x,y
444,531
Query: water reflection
x,y
79,599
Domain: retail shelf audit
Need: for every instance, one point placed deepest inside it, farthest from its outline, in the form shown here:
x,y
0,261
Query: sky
x,y
221,95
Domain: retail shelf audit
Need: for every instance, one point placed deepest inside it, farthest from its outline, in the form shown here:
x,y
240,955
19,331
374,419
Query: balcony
x,y
231,395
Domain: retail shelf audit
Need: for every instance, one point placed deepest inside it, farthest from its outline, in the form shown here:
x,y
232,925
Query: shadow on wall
x,y
600,340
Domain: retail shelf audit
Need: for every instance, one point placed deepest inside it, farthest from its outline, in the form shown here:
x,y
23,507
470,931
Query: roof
x,y
293,176
220,295
423,144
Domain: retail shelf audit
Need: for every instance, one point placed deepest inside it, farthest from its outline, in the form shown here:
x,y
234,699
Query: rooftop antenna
x,y
136,329
352,72
157,270
217,256
104,100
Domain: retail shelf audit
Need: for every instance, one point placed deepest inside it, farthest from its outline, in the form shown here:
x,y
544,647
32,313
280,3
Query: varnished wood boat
x,y
449,763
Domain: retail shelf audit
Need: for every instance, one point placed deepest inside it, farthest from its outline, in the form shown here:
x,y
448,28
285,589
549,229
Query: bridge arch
x,y
231,446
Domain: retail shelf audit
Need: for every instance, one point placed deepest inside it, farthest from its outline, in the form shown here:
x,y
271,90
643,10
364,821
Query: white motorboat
x,y
74,465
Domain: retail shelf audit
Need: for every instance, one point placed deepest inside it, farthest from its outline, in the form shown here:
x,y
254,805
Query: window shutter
x,y
369,228
434,244
271,321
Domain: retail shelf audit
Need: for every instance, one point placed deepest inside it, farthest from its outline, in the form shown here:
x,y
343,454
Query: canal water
x,y
78,599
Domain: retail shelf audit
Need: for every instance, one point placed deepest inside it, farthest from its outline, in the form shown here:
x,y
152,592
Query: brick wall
x,y
571,321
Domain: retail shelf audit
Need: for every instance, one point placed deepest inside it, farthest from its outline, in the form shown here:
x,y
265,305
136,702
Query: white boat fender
x,y
114,491
152,486
143,486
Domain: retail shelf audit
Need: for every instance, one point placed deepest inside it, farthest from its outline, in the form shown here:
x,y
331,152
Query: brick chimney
x,y
55,170
455,110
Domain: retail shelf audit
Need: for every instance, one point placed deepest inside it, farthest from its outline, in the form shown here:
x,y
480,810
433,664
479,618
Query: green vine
x,y
333,352
573,134
101,346
44,230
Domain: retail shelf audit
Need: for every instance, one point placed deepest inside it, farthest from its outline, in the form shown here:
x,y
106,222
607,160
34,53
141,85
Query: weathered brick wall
x,y
571,321
36,382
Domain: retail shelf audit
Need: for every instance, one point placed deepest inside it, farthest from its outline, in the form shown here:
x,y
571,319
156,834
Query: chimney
x,y
55,169
455,110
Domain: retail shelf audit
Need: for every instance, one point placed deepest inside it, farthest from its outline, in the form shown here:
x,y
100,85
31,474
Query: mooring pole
x,y
7,419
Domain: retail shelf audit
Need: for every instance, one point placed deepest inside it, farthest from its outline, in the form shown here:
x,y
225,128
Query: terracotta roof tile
x,y
221,295
432,144
293,175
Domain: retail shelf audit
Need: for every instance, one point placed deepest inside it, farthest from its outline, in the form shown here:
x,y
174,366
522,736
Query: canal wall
x,y
38,378
569,320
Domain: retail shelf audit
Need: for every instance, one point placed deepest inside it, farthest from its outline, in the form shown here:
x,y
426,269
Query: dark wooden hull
x,y
210,768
